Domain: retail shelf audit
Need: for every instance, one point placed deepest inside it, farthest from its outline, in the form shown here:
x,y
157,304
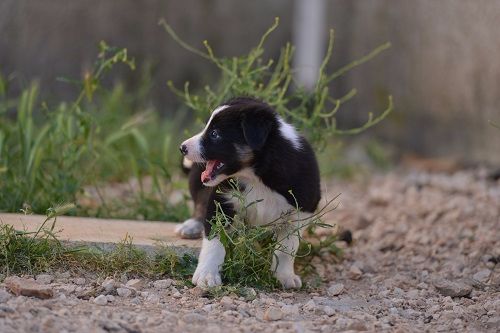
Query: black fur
x,y
255,128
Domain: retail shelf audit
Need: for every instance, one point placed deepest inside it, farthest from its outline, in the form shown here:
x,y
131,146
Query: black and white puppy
x,y
245,139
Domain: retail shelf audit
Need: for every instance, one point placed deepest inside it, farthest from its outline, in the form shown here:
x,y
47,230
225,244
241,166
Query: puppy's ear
x,y
256,127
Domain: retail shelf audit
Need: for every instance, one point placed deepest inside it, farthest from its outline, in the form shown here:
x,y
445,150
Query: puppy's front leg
x,y
284,257
211,258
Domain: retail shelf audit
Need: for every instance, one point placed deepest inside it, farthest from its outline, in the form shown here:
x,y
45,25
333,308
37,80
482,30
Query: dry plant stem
x,y
269,80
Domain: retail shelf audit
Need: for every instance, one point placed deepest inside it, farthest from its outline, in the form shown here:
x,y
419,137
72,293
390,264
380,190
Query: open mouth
x,y
211,171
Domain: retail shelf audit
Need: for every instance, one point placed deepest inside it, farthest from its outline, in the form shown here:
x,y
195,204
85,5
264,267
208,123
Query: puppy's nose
x,y
184,149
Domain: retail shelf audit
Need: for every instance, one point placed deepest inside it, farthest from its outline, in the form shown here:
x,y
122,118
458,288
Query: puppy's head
x,y
235,132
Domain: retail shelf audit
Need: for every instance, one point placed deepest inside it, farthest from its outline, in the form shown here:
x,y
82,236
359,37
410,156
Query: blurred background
x,y
443,68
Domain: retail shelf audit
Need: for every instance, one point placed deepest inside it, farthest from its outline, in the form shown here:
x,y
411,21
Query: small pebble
x,y
335,289
123,292
452,288
80,281
44,278
309,306
135,283
101,300
272,314
162,284
482,276
4,296
289,309
354,273
329,311
108,285
194,318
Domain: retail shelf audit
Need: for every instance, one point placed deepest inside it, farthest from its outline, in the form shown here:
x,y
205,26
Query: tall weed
x,y
312,112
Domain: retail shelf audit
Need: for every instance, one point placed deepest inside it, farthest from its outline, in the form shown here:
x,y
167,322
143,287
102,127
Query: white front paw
x,y
190,229
289,280
207,276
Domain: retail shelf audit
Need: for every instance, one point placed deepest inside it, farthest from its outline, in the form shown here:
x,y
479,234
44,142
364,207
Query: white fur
x,y
193,143
193,149
214,112
211,258
190,229
289,133
187,163
284,256
271,206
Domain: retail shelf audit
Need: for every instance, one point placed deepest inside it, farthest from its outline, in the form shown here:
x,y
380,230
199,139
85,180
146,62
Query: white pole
x,y
309,40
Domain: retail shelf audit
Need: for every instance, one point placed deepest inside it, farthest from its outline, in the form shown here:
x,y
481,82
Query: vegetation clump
x,y
50,155
32,252
312,112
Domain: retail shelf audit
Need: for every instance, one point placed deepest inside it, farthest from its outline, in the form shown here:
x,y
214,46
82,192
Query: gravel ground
x,y
425,257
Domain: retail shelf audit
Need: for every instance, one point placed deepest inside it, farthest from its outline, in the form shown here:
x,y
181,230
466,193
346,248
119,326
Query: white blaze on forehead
x,y
214,113
193,144
289,133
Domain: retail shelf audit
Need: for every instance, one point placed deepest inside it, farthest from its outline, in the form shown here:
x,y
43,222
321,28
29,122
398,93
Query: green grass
x,y
53,154
77,151
271,80
23,252
247,264
250,249
81,151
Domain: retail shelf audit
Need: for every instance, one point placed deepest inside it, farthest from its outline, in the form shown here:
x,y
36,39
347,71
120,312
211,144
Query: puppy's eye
x,y
214,134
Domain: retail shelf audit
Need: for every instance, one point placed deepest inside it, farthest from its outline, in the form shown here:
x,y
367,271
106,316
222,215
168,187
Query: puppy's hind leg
x,y
192,228
284,257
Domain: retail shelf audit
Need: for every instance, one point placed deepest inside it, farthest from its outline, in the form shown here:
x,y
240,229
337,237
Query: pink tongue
x,y
207,174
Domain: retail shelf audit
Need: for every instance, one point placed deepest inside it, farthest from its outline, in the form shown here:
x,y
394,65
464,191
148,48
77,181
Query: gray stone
x,y
452,288
6,309
101,300
135,283
309,306
4,296
227,303
412,294
273,314
44,278
354,273
290,309
335,289
175,293
123,292
108,285
493,322
162,284
482,276
80,281
153,299
329,311
194,318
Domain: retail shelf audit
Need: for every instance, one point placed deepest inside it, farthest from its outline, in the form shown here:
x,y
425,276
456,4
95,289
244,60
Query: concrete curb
x,y
105,233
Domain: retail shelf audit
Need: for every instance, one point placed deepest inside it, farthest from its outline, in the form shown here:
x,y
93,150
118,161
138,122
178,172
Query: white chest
x,y
263,204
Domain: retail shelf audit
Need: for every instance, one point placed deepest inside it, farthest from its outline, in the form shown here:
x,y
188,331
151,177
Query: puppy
x,y
245,139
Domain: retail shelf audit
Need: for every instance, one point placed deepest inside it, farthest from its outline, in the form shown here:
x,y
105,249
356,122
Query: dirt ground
x,y
425,257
